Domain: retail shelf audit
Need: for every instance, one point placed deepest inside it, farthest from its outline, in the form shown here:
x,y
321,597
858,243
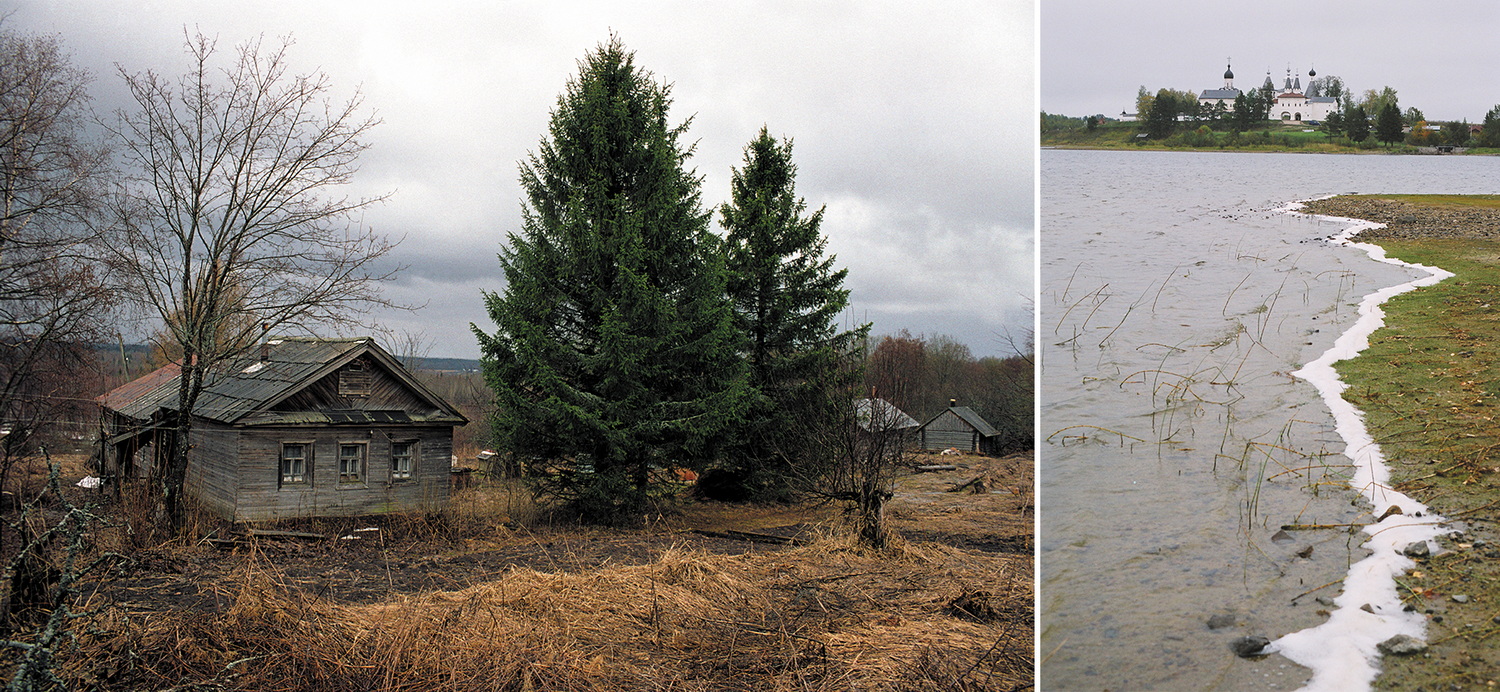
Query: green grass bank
x,y
1429,385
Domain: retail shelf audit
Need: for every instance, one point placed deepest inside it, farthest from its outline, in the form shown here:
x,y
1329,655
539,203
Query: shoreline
x,y
1416,366
1368,617
1313,149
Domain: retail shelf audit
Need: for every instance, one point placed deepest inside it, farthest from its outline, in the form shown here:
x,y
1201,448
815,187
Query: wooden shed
x,y
302,427
958,427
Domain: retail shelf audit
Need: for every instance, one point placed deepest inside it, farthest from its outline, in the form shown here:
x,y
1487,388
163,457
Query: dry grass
x,y
822,617
487,595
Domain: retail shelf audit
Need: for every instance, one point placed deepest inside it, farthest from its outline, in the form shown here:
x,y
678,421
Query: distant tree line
x,y
922,374
1357,118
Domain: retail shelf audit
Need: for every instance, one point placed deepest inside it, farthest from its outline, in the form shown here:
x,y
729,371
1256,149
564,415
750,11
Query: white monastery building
x,y
1291,104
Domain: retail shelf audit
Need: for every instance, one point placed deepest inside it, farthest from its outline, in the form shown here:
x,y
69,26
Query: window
x,y
401,460
294,462
351,463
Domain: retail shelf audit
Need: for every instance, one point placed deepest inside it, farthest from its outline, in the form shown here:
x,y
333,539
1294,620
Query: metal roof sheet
x,y
872,411
243,386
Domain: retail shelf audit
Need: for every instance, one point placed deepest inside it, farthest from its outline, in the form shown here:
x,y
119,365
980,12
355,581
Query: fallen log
x,y
266,533
752,536
978,484
936,467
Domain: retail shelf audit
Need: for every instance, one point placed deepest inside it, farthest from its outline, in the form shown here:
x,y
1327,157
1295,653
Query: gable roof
x,y
250,385
871,412
1220,94
967,415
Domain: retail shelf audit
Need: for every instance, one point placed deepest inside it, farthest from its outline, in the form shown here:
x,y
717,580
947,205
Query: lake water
x,y
1177,299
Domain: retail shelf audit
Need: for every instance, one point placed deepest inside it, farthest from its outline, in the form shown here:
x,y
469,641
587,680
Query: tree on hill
x,y
1376,101
1357,123
1244,113
1334,123
787,296
1388,124
226,223
1163,116
614,350
1143,103
1329,86
1489,133
1456,133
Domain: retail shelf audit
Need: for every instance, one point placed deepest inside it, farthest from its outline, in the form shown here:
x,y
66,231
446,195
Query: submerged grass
x,y
1428,385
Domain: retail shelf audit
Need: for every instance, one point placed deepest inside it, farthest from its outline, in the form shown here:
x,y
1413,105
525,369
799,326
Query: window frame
x,y
413,453
284,479
363,473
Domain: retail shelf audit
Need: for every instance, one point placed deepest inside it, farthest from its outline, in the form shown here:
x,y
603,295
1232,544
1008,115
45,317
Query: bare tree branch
x,y
228,222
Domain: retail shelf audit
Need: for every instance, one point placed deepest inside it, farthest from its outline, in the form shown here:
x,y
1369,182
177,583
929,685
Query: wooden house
x,y
958,427
301,427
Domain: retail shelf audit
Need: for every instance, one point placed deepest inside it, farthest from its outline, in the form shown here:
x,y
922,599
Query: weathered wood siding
x,y
261,495
212,466
386,393
948,430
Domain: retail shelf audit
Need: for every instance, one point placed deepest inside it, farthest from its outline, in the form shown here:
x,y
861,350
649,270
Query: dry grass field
x,y
488,595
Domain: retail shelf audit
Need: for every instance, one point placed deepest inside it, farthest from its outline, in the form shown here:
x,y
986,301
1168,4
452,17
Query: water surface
x,y
1177,298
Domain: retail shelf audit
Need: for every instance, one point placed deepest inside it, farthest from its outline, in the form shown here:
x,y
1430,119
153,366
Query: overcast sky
x,y
1439,57
914,123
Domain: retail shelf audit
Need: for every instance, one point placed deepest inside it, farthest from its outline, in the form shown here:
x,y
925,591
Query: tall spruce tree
x,y
1489,131
1388,124
787,296
615,350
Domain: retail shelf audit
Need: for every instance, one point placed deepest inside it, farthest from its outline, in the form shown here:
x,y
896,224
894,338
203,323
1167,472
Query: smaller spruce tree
x,y
787,296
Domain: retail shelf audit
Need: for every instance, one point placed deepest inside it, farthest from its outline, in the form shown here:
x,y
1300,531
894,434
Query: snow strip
x,y
1342,651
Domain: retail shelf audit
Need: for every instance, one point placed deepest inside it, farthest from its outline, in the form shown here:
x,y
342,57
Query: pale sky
x,y
1439,56
913,122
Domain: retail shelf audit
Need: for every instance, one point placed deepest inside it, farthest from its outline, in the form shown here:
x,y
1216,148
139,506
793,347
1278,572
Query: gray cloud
x,y
1095,53
913,123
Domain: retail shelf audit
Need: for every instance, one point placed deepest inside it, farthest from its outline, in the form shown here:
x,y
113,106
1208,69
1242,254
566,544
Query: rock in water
x,y
1220,621
1402,645
1249,647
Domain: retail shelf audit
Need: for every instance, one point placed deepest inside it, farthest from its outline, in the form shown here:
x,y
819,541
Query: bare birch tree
x,y
229,222
52,289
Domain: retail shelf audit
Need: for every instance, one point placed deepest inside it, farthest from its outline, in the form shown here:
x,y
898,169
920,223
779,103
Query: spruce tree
x,y
1388,124
1357,123
787,296
1489,132
614,352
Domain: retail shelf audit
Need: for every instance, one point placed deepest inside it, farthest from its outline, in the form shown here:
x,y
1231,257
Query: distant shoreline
x,y
1262,150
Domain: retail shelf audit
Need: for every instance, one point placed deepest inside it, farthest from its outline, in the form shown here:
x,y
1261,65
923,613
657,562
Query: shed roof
x,y
251,384
968,415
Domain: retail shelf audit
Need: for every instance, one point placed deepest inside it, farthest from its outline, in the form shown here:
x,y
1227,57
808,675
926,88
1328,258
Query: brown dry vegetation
x,y
488,595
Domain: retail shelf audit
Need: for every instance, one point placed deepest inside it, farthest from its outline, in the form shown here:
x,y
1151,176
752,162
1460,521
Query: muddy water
x,y
1177,298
